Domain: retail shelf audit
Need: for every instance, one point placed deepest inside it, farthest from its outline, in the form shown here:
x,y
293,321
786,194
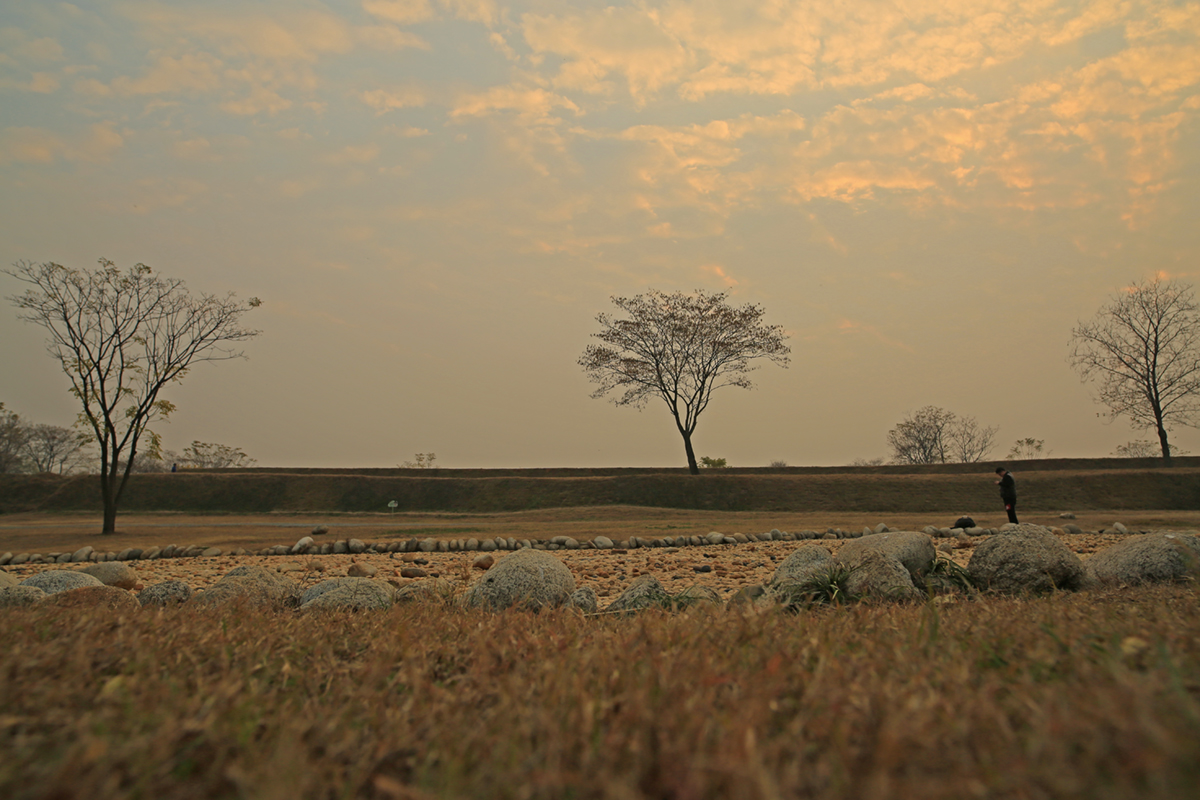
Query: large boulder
x,y
60,580
913,549
112,573
110,598
350,594
1152,558
527,577
435,590
1026,558
8,579
876,575
800,565
252,585
167,593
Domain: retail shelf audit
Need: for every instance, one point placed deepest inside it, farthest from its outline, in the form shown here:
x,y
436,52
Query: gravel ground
x,y
724,568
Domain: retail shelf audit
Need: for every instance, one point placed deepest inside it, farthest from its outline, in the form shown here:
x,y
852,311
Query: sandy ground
x,y
609,572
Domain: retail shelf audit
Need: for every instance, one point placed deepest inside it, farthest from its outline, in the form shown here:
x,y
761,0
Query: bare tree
x,y
203,455
13,433
1142,351
1028,449
121,338
680,348
934,435
922,438
53,448
970,443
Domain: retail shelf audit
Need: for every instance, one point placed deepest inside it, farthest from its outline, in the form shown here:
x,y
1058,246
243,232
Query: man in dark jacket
x,y
1008,493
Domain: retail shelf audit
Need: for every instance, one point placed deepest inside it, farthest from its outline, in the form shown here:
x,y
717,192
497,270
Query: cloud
x,y
529,104
483,11
404,12
386,37
354,154
40,146
849,327
191,72
385,100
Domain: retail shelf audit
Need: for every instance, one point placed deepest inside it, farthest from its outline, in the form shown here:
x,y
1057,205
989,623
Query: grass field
x,y
1092,695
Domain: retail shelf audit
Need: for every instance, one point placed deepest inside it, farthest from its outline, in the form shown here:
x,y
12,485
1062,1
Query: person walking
x,y
1008,493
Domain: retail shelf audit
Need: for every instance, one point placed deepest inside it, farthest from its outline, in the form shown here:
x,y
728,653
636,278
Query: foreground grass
x,y
1095,695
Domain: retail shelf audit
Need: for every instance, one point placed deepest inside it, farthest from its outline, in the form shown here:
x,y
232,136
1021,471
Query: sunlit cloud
x,y
40,146
850,327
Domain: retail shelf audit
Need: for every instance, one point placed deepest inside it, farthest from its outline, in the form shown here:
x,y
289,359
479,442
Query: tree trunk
x,y
691,455
1162,441
110,504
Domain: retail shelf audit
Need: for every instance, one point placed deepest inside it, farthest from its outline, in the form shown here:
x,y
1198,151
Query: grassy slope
x,y
1044,486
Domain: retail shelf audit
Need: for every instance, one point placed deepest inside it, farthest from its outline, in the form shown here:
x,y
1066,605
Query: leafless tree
x,y
53,448
203,455
680,348
121,338
1141,350
1028,449
13,433
934,435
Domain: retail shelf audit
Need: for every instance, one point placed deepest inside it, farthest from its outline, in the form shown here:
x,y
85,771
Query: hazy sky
x,y
435,199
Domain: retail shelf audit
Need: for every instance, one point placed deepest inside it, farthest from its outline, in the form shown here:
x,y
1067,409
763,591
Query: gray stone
x,y
1026,558
747,595
912,549
487,546
1153,558
800,565
1066,515
8,579
167,593
302,545
82,554
113,573
603,543
360,569
1119,528
20,558
472,545
59,580
4,559
483,561
150,555
340,547
1072,528
644,592
880,528
438,590
320,530
253,585
211,552
63,558
697,596
585,600
353,594
16,596
715,538
112,598
528,578
876,575
356,546
430,545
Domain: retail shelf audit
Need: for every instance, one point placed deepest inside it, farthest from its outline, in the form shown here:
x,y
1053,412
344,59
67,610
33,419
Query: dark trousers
x,y
1011,508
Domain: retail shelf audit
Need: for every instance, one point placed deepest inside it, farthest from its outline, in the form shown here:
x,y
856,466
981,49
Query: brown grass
x,y
45,532
1092,695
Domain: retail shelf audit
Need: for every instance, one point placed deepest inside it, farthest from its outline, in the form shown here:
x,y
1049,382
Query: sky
x,y
435,198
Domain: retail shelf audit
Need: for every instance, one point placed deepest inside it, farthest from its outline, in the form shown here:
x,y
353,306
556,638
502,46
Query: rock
x,y
876,575
151,554
413,572
20,558
487,546
603,543
437,590
696,596
483,561
82,554
167,593
111,598
253,585
58,580
1026,558
4,559
963,522
356,546
1119,528
361,570
529,578
20,595
1072,528
210,552
113,573
912,549
8,579
320,530
1153,558
702,568
585,600
800,565
1066,515
715,538
644,592
352,594
747,595
880,528
302,545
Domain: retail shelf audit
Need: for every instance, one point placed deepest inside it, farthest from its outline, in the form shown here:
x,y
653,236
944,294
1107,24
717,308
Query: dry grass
x,y
1091,695
46,532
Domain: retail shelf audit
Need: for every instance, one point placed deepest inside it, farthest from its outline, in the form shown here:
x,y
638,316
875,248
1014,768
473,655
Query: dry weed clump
x,y
1091,695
